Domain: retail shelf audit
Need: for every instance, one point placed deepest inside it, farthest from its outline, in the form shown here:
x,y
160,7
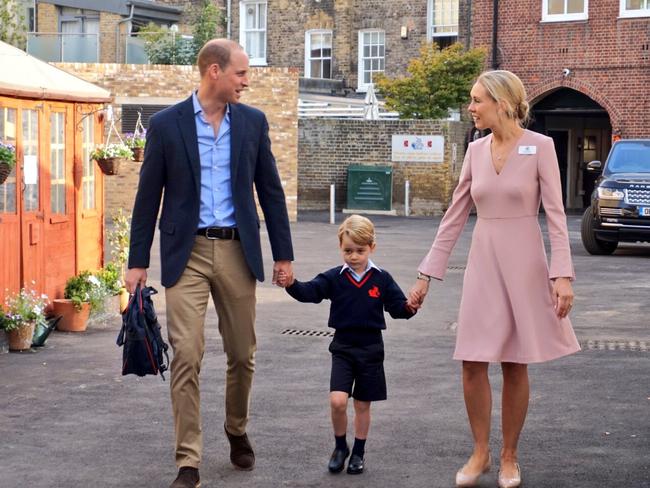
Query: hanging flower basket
x,y
136,142
110,156
7,161
138,154
110,166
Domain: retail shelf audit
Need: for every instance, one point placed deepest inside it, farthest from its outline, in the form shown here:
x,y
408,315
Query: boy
x,y
359,292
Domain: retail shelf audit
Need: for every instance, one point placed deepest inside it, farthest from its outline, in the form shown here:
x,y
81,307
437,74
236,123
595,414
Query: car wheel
x,y
591,243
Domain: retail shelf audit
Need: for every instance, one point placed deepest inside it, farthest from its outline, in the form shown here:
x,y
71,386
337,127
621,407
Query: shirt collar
x,y
199,110
370,265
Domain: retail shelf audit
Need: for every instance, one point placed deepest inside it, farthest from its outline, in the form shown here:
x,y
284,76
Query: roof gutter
x,y
117,34
228,19
495,27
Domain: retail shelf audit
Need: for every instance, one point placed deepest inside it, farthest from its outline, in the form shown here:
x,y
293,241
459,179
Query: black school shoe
x,y
337,461
355,466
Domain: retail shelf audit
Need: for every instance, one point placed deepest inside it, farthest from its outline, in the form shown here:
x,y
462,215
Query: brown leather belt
x,y
219,233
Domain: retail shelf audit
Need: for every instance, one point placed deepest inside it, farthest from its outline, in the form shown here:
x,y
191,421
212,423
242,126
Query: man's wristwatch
x,y
423,277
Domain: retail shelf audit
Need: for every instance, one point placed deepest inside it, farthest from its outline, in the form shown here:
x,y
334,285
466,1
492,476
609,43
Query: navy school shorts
x,y
358,370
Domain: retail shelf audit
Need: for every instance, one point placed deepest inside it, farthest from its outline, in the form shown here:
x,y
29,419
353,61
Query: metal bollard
x,y
407,191
332,200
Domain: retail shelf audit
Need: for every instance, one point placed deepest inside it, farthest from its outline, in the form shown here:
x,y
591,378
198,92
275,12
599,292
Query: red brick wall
x,y
609,57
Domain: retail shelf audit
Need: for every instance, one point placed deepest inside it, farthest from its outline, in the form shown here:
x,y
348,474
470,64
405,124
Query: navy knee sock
x,y
341,442
359,447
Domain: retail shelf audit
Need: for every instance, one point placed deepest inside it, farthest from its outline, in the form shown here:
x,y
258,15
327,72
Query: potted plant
x,y
110,156
7,160
83,294
19,316
136,142
109,278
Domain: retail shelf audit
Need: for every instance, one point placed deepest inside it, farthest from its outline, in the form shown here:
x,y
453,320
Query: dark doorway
x,y
561,141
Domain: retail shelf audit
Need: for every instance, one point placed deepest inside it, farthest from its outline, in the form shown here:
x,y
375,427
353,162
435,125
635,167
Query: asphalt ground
x,y
69,419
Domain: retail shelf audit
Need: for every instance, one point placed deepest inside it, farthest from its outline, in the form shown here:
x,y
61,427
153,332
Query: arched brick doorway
x,y
582,131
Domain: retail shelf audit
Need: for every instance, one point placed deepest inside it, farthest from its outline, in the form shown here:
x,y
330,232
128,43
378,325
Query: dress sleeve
x,y
313,291
435,262
551,190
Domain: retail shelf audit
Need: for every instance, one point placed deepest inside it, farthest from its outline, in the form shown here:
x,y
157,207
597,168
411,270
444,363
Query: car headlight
x,y
611,193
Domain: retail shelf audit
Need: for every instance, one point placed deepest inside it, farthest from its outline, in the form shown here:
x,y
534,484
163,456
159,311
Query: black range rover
x,y
620,203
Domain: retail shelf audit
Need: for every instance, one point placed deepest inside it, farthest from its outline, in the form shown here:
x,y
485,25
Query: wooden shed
x,y
52,204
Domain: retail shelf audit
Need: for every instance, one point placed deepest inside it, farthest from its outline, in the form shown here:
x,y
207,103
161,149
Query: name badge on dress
x,y
527,149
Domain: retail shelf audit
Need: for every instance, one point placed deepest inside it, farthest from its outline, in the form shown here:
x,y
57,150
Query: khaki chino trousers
x,y
216,268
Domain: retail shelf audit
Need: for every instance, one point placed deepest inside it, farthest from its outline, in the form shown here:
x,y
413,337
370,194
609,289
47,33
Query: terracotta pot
x,y
20,339
72,320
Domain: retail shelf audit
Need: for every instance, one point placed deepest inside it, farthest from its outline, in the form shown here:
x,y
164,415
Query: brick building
x,y
586,67
97,31
338,45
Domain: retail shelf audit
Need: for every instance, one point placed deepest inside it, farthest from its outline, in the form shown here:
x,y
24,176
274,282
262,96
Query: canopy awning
x,y
25,76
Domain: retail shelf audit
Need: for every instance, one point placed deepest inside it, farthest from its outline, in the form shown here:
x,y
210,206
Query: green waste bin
x,y
370,187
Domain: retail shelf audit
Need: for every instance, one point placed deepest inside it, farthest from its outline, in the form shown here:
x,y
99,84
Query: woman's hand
x,y
562,296
417,294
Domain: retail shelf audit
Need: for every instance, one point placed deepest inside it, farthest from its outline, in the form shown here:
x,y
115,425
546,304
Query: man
x,y
206,153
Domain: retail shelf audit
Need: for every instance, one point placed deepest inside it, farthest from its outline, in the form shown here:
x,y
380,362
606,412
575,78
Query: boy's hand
x,y
417,294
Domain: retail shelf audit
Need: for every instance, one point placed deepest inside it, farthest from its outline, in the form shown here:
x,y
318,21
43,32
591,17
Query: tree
x,y
12,24
438,81
165,47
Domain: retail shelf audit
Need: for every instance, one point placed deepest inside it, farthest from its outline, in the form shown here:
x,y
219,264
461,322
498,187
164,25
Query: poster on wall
x,y
418,149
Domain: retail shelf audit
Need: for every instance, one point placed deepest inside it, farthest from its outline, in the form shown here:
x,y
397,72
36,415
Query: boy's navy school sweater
x,y
354,304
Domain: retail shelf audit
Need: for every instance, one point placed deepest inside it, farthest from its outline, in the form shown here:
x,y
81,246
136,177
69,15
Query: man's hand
x,y
135,277
284,267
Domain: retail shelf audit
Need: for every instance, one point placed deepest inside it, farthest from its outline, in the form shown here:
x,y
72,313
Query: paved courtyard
x,y
69,419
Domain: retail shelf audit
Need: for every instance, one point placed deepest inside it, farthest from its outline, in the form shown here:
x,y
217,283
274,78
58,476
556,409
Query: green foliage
x,y
85,288
166,47
117,150
119,238
438,81
8,154
22,308
12,25
109,278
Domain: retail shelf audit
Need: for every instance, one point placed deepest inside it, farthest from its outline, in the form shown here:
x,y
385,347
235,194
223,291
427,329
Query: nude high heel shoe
x,y
466,480
510,482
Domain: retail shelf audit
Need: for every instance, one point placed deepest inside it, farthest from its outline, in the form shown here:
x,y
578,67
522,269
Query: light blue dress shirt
x,y
217,209
355,275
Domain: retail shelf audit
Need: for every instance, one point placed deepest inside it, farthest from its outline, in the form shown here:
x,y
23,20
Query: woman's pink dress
x,y
506,311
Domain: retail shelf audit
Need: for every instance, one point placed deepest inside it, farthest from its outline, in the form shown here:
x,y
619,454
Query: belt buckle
x,y
209,236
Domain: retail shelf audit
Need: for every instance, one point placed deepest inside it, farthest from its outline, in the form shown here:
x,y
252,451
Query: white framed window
x,y
372,56
635,8
318,54
88,174
252,30
563,10
57,163
442,22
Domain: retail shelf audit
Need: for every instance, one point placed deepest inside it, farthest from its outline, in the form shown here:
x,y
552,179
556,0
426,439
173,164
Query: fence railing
x,y
59,47
324,109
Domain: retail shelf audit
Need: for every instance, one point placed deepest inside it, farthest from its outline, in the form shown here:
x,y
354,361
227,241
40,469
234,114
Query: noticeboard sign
x,y
418,148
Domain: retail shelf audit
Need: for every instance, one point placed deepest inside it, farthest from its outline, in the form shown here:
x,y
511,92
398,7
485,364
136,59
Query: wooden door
x,y
59,202
31,155
9,206
89,190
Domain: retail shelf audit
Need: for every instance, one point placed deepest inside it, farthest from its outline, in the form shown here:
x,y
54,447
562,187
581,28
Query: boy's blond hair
x,y
360,229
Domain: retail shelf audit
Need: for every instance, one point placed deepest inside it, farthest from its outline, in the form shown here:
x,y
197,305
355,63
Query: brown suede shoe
x,y
241,451
187,478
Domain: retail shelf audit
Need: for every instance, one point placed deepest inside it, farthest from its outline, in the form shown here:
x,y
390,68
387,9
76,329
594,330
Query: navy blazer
x,y
172,166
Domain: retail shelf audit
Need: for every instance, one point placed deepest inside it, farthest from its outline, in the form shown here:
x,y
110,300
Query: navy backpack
x,y
145,351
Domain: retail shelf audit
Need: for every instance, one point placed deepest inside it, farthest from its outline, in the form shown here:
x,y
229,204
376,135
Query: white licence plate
x,y
644,211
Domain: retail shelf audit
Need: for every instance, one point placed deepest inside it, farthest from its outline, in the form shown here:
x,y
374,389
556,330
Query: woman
x,y
513,308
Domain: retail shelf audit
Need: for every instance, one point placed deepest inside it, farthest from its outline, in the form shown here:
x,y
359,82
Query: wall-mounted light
x,y
566,72
404,32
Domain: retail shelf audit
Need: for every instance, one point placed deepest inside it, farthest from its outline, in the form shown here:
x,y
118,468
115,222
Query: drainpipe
x,y
117,34
228,19
495,26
